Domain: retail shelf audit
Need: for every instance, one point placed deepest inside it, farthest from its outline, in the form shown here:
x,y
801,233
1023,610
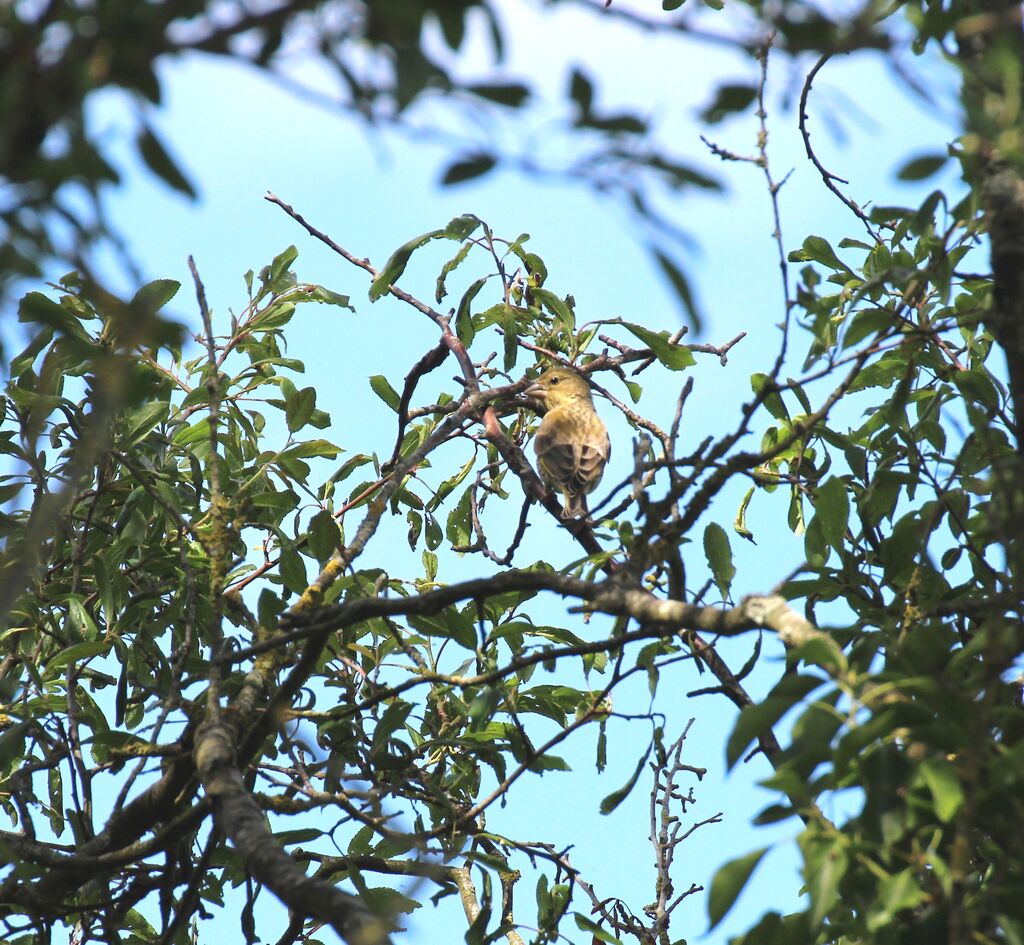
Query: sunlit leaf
x,y
674,356
381,386
718,552
395,266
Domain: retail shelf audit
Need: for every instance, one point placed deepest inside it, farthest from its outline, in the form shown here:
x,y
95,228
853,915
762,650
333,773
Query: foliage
x,y
148,658
388,61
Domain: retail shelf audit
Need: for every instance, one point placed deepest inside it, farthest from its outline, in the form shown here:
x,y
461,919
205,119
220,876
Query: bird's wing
x,y
594,454
590,467
558,459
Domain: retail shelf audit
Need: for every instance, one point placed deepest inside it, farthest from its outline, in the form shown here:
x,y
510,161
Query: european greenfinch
x,y
572,443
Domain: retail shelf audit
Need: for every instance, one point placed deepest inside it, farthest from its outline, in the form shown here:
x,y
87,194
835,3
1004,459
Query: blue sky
x,y
239,135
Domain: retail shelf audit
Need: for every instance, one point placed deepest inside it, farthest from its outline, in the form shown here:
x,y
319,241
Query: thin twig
x,y
827,177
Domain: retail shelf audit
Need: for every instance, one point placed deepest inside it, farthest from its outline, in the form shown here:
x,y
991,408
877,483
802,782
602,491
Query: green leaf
x,y
324,535
316,448
76,653
759,717
549,763
81,620
429,564
922,166
674,356
383,389
581,91
832,510
467,168
449,485
383,900
278,501
154,295
896,893
818,249
882,373
822,651
395,266
298,835
440,289
681,285
299,408
865,323
739,524
464,327
482,707
719,554
393,719
138,422
728,883
449,624
815,545
360,844
350,466
557,307
536,267
947,793
511,94
268,607
275,315
318,293
160,162
56,792
293,570
509,335
462,227
586,925
729,99
458,527
975,387
415,521
42,310
773,402
282,263
630,124
617,797
108,588
28,356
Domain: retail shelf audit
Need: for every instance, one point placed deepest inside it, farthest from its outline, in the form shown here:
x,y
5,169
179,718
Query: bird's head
x,y
557,386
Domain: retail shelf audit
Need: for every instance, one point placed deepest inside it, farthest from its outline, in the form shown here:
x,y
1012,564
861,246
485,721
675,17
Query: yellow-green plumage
x,y
571,443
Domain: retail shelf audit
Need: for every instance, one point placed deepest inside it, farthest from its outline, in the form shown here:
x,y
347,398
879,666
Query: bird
x,y
571,442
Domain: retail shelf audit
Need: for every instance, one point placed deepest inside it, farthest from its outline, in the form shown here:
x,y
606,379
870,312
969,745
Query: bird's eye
x,y
555,379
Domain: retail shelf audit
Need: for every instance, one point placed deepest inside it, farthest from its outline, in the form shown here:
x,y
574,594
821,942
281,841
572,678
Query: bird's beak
x,y
536,398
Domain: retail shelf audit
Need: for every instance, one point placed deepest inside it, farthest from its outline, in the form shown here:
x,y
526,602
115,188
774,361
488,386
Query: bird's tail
x,y
575,505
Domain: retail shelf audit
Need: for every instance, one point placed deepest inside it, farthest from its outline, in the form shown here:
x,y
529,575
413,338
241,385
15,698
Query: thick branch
x,y
239,817
753,613
987,42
